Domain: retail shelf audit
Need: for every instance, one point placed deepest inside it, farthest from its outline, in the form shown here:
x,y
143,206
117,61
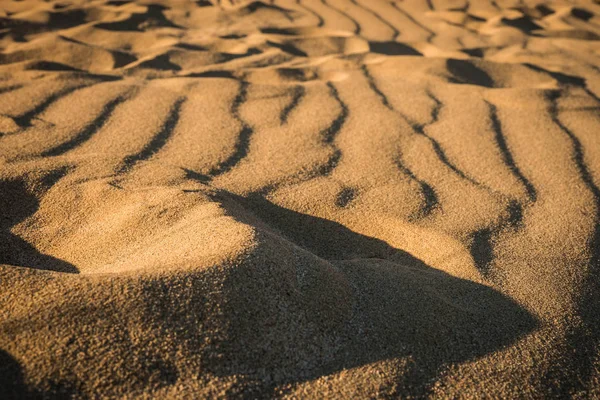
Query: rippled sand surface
x,y
311,198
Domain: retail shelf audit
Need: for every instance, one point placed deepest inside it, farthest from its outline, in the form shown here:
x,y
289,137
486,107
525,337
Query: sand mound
x,y
334,198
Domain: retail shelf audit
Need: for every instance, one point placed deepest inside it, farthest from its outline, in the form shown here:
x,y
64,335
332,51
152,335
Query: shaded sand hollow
x,y
311,198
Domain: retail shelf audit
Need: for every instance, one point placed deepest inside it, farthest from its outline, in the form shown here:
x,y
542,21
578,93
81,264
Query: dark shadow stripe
x,y
374,88
506,155
287,48
328,167
431,33
345,197
158,141
320,19
10,88
329,133
89,130
298,93
565,79
428,192
242,145
357,27
439,151
482,251
430,198
395,31
24,120
583,340
328,136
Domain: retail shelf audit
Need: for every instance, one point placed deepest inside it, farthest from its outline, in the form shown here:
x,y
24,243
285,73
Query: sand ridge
x,y
310,198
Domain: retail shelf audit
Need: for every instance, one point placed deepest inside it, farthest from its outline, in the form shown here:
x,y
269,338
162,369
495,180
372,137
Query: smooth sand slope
x,y
312,198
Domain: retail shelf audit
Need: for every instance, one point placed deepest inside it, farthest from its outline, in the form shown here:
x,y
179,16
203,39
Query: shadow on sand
x,y
392,306
16,204
12,385
401,307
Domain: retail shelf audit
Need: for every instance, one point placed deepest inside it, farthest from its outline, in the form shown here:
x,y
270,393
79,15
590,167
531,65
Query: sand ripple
x,y
310,198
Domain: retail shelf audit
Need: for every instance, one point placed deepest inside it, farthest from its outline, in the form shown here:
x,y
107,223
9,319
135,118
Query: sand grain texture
x,y
299,199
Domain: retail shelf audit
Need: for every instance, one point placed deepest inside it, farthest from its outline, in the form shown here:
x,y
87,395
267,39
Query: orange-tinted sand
x,y
312,198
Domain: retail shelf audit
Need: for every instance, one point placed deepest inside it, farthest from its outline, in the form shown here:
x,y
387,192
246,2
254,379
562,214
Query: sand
x,y
299,199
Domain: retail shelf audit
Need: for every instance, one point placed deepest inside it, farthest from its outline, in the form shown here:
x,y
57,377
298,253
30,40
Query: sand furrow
x,y
121,137
297,93
158,141
243,141
430,199
329,134
584,341
25,119
10,88
320,20
374,88
326,137
395,31
421,128
506,154
55,124
89,130
429,32
370,26
357,27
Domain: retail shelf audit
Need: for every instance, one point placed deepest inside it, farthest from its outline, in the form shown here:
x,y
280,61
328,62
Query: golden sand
x,y
311,198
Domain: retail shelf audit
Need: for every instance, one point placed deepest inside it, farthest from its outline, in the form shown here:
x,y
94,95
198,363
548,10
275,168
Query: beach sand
x,y
299,199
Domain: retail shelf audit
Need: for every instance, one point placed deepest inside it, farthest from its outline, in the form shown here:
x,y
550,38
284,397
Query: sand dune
x,y
310,198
